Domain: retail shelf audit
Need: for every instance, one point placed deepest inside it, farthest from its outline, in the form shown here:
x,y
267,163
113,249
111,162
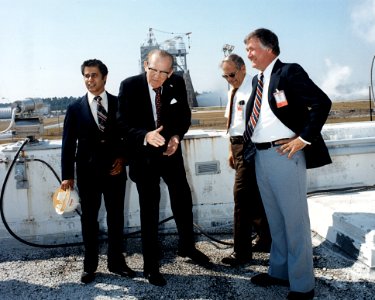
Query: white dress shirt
x,y
269,128
237,126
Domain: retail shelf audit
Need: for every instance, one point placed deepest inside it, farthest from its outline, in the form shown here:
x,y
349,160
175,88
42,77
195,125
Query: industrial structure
x,y
176,47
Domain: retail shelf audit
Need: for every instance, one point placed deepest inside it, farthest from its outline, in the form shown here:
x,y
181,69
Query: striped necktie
x,y
102,114
158,105
256,110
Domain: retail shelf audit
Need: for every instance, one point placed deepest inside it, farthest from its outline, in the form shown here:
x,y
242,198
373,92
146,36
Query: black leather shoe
x,y
261,246
236,260
87,277
195,255
301,296
155,278
124,272
263,279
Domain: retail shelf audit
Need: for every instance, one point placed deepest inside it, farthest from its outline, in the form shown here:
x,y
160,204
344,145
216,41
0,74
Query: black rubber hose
x,y
2,208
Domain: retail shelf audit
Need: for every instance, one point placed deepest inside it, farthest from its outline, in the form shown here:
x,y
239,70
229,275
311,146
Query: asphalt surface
x,y
36,273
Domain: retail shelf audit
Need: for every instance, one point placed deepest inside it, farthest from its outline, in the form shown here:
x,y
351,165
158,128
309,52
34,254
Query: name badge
x,y
280,98
240,111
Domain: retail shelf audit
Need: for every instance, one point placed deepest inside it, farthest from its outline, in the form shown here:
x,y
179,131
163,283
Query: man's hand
x,y
172,145
231,159
117,167
154,138
290,146
67,184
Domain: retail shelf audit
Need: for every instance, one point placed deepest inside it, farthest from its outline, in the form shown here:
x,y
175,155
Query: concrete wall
x,y
30,214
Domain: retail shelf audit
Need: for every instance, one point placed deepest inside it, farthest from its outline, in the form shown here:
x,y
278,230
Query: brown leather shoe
x,y
195,255
124,272
235,259
263,279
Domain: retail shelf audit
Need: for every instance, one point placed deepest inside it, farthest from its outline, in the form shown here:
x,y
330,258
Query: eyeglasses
x,y
162,73
231,75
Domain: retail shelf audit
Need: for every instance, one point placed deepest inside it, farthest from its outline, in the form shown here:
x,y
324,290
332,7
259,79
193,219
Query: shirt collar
x,y
151,89
267,72
91,96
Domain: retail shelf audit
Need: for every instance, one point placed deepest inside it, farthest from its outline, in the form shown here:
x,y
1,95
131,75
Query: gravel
x,y
37,273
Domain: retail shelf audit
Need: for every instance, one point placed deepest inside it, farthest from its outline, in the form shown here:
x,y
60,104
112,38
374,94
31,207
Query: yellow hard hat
x,y
65,201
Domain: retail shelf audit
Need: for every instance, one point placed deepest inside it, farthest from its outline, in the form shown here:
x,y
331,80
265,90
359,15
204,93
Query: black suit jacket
x,y
84,144
307,110
136,116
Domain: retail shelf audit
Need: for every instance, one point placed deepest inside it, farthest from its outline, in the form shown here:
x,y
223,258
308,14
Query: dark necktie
x,y
256,110
231,108
102,114
158,105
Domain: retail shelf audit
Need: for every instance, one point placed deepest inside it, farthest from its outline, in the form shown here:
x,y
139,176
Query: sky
x,y
44,42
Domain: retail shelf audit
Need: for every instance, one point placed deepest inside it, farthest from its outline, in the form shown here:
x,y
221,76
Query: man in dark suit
x,y
285,115
91,143
154,114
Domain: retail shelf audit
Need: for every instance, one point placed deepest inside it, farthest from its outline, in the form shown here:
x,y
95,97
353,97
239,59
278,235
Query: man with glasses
x,y
155,115
248,207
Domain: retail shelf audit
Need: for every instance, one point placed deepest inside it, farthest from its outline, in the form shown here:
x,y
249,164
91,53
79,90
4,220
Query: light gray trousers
x,y
282,185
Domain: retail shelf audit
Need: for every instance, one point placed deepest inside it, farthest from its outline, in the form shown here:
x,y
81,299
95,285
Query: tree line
x,y
55,103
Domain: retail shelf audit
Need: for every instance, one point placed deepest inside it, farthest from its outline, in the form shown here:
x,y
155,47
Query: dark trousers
x,y
248,204
91,188
149,172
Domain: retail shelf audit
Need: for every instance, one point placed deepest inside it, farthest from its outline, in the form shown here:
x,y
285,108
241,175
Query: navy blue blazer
x,y
136,116
307,110
85,145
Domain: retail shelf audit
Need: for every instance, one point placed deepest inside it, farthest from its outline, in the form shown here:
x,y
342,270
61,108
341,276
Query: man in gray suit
x,y
285,115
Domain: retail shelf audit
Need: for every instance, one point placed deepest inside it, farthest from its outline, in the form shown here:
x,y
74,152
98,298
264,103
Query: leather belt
x,y
236,139
265,146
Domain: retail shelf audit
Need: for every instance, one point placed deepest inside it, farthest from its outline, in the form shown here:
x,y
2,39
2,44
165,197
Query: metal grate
x,y
208,167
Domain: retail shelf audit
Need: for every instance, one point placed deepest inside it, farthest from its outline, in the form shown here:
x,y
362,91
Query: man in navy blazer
x,y
97,154
285,140
154,124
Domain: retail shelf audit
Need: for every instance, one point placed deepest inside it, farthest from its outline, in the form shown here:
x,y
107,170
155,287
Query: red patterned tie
x,y
231,108
158,105
102,114
256,110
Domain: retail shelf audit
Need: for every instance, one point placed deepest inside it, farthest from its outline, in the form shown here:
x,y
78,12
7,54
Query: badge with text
x,y
240,111
280,98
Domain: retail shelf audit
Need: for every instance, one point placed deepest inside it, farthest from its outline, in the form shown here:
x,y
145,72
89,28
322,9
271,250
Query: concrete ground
x,y
346,218
36,273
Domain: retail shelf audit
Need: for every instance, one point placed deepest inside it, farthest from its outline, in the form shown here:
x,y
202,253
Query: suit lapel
x,y
86,112
145,97
250,104
274,83
112,105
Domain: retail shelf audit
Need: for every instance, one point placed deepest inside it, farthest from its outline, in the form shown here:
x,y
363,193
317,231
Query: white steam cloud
x,y
363,17
337,84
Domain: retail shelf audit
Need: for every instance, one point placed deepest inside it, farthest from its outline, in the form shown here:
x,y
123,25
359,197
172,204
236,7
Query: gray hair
x,y
267,39
234,58
160,53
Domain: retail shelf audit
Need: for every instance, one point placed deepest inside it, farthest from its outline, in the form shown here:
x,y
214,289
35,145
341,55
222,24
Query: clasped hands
x,y
154,138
